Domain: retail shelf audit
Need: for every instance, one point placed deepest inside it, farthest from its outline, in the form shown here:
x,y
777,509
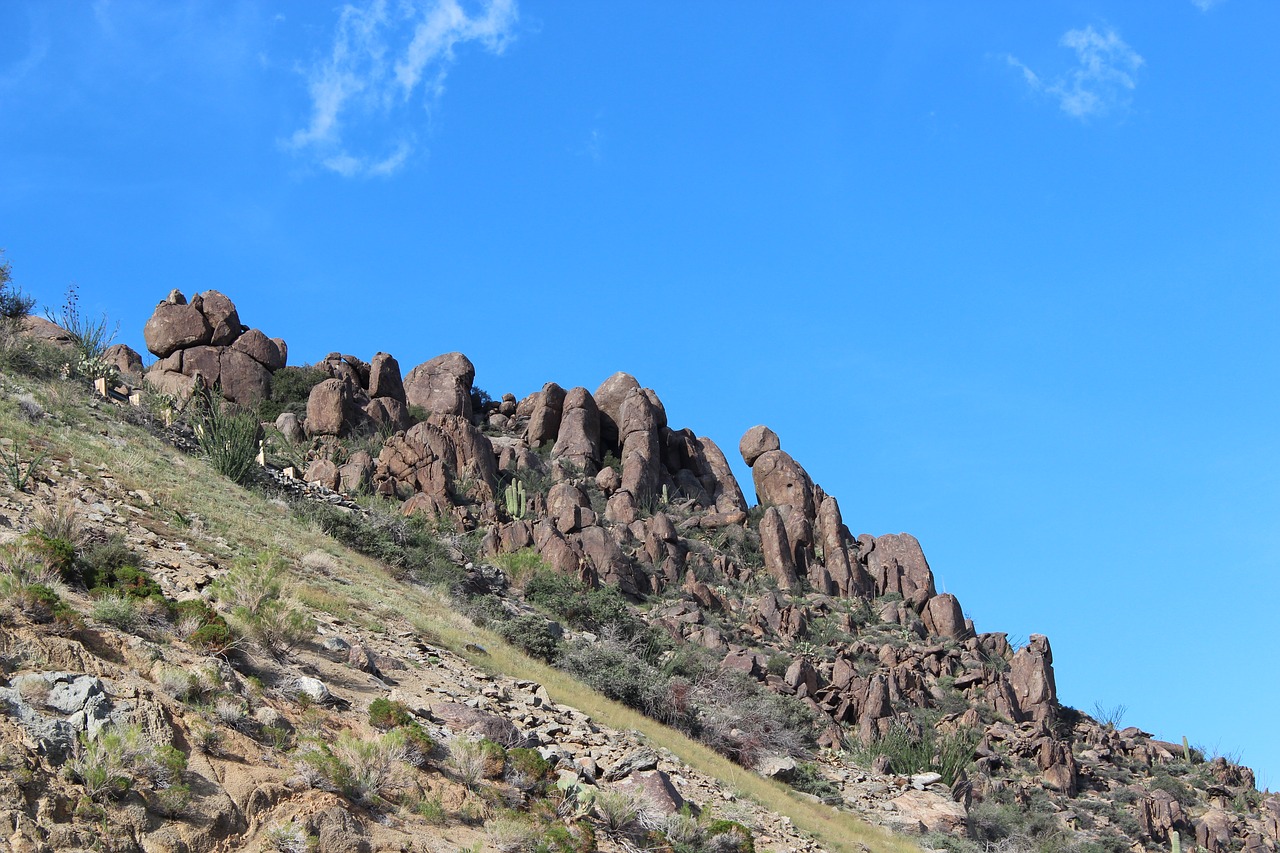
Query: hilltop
x,y
286,602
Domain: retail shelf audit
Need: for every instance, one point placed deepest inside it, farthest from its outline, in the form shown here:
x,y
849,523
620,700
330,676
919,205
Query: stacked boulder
x,y
357,397
202,343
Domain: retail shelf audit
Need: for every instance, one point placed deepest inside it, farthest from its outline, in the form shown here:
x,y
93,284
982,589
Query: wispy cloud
x,y
387,62
1102,79
1206,5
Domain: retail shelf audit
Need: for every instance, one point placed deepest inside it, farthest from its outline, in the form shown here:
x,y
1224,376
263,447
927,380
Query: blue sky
x,y
1002,276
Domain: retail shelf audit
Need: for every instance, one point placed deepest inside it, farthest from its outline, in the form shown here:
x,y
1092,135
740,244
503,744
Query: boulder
x,y
778,558
174,326
609,398
544,423
780,481
221,316
124,359
385,379
291,427
756,442
265,351
1031,678
331,408
896,563
578,438
713,471
944,618
442,385
243,379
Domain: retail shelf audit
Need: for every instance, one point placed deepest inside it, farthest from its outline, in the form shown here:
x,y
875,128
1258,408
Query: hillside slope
x,y
577,526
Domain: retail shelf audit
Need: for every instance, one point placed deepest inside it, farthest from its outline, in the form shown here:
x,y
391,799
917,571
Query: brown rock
x,y
847,576
544,423
356,473
179,386
778,558
324,472
221,315
756,442
897,564
578,439
260,348
173,327
388,413
944,618
936,813
331,408
442,385
1031,678
243,379
609,398
124,359
657,788
290,427
780,481
384,378
713,471
1213,830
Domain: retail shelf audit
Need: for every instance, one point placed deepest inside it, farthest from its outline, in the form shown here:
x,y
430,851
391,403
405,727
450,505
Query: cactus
x,y
1175,841
1186,750
517,500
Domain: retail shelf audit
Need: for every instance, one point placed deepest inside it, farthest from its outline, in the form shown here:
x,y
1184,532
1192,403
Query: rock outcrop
x,y
202,343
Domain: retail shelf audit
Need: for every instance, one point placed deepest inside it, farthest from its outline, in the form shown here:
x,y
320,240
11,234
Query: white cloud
x,y
387,61
1101,81
1206,5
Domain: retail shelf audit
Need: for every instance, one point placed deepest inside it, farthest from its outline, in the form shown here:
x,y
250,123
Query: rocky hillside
x,y
330,696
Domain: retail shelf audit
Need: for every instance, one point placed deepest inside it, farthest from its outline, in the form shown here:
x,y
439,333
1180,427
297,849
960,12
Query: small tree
x,y
14,304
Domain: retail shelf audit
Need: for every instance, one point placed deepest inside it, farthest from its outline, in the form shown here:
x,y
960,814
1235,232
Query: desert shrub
x,y
911,752
580,606
521,565
511,832
228,437
612,666
290,838
57,553
1176,788
290,389
431,810
99,566
468,761
402,544
619,811
528,763
744,722
109,765
387,714
253,590
417,742
809,779
203,626
531,634
89,337
729,836
118,611
372,767
14,304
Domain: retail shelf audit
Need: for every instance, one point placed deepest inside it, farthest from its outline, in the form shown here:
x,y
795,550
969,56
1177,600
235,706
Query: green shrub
x,y
118,611
290,390
57,553
531,634
910,752
14,304
809,779
383,533
431,810
528,763
729,836
253,590
228,436
108,766
386,714
89,338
